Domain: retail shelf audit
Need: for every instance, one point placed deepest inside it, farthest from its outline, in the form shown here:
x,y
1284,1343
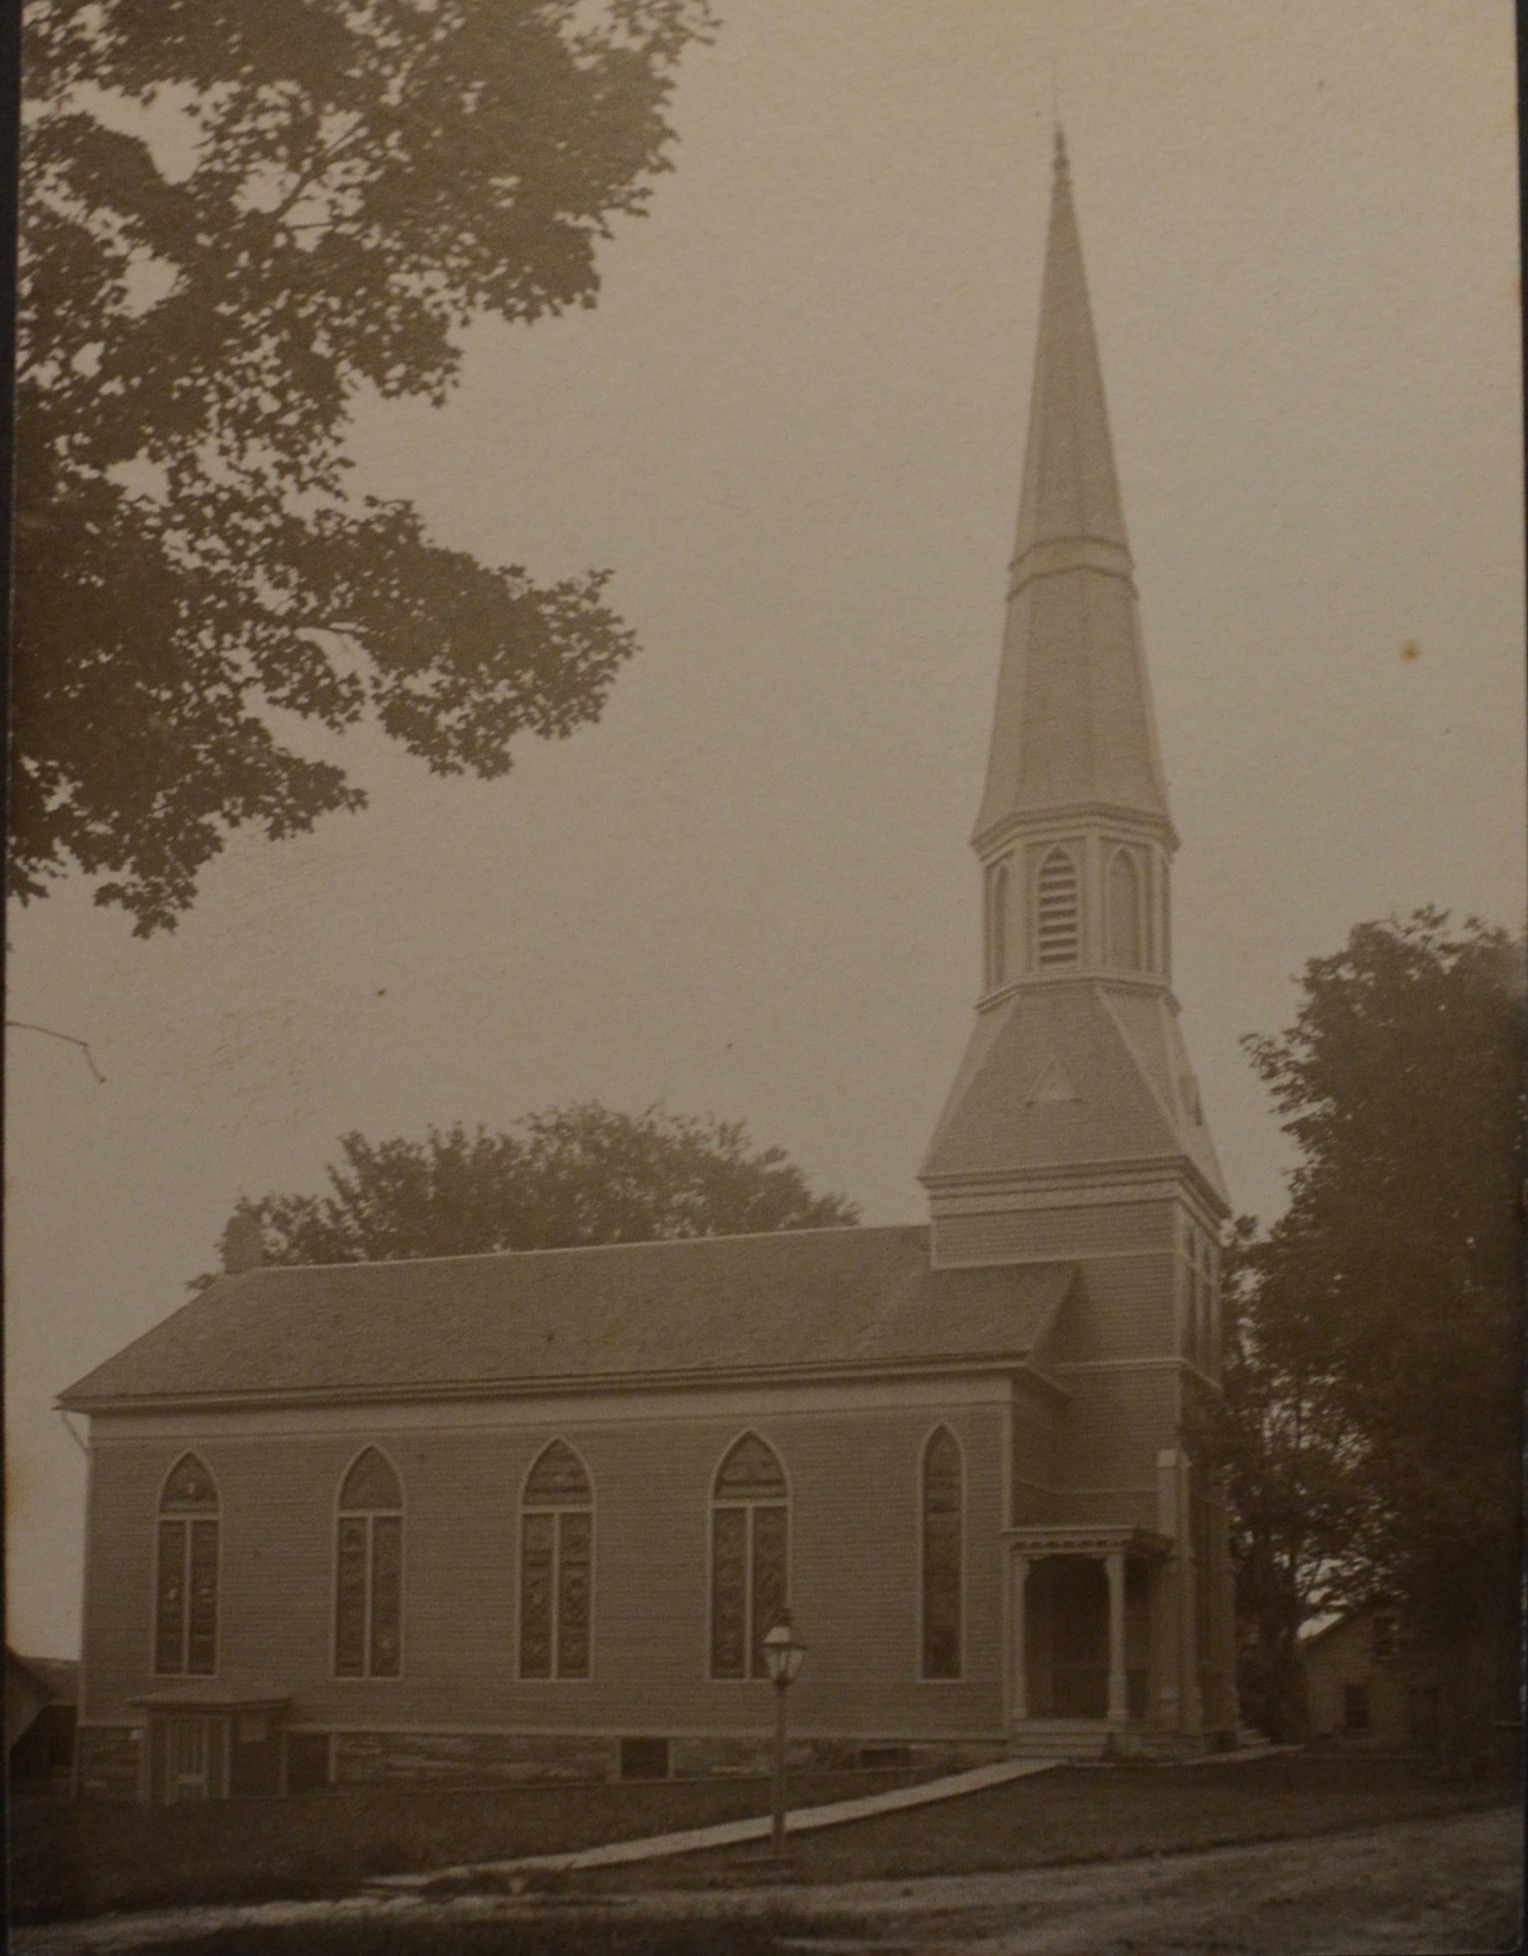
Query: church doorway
x,y
1069,1643
1082,1627
184,1759
213,1745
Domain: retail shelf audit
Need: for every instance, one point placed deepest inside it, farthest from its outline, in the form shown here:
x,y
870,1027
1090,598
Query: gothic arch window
x,y
556,1565
186,1580
1125,912
942,1530
368,1570
750,1552
997,925
1058,910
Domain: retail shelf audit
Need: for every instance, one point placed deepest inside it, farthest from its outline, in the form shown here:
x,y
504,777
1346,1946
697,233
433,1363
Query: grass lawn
x,y
1080,1813
73,1858
86,1859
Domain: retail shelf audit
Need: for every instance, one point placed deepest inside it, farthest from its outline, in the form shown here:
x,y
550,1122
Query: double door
x,y
187,1754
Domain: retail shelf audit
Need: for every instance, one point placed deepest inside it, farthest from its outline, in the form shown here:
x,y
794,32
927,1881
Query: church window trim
x,y
775,1501
563,1508
365,1608
1057,910
999,878
1124,885
928,1671
193,1522
1156,896
1202,1332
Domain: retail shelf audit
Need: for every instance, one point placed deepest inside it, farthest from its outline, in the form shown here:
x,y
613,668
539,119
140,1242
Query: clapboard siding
x,y
1109,1438
1036,1426
854,1574
1121,1307
1073,1230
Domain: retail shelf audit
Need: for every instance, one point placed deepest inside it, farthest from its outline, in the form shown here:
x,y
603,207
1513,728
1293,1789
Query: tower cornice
x,y
1037,823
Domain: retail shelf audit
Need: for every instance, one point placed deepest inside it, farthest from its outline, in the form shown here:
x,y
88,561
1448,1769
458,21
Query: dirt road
x,y
1446,1886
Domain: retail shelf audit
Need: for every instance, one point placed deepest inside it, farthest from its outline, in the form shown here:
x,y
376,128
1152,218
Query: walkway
x,y
727,1833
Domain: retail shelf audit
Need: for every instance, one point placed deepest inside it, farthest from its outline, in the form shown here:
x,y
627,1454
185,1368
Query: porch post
x,y
1114,1562
1020,1697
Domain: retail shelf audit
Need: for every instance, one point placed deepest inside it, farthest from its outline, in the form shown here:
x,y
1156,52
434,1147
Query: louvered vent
x,y
1057,911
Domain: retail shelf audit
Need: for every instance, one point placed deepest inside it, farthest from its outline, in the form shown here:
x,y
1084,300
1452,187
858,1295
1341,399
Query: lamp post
x,y
783,1653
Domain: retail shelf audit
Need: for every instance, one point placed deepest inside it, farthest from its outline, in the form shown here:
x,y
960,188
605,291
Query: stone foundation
x,y
108,1758
106,1762
446,1758
365,1758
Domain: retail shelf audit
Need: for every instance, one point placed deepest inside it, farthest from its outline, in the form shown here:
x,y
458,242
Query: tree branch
x,y
25,1025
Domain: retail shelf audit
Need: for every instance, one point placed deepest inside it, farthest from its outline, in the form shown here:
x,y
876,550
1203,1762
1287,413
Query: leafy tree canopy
x,y
1375,1380
1303,1540
237,220
563,1177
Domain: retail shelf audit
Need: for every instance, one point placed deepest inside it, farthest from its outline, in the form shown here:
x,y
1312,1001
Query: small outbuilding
x,y
1367,1685
41,1703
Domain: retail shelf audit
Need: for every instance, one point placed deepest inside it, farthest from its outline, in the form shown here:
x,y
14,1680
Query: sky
x,y
794,429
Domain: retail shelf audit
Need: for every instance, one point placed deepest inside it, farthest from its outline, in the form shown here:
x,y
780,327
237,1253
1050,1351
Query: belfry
x,y
535,1513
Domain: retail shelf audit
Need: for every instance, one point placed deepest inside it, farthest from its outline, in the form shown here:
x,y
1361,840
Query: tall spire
x,y
1074,724
1076,1071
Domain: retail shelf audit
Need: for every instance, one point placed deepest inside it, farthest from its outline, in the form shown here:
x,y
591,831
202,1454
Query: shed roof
x,y
788,1301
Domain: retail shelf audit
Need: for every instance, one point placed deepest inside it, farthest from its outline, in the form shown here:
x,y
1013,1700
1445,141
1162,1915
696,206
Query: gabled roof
x,y
789,1302
1072,1075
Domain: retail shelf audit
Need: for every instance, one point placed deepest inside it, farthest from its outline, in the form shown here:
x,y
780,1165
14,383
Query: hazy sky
x,y
794,427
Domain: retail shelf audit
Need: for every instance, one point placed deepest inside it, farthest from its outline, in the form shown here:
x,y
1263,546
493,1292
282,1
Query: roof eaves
x,y
560,1386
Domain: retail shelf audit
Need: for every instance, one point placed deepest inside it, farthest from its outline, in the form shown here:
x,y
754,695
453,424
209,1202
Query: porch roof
x,y
210,1698
1088,1538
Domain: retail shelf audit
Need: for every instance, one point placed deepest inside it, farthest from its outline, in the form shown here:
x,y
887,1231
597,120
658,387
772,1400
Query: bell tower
x,y
1074,1132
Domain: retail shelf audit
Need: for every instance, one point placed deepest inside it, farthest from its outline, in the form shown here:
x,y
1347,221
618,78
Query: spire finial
x,y
1063,165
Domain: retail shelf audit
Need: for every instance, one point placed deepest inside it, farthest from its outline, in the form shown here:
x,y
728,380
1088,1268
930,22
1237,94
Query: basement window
x,y
644,1759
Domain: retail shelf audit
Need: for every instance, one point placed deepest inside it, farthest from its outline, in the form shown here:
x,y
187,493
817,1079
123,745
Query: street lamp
x,y
783,1652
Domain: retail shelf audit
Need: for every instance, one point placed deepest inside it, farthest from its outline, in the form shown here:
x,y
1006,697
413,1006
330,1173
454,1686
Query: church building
x,y
532,1514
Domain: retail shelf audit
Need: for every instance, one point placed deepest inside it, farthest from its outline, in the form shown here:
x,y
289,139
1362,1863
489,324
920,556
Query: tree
x,y
560,1178
1294,1468
238,221
1394,1275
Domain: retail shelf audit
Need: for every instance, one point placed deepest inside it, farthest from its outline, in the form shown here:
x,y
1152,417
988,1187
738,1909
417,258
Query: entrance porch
x,y
210,1745
1085,1640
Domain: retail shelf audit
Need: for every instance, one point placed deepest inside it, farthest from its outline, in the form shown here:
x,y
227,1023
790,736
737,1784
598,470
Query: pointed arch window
x,y
750,1552
556,1565
186,1581
1125,912
997,925
368,1570
1057,910
943,1555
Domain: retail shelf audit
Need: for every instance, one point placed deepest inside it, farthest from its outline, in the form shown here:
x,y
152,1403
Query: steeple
x,y
1076,1069
1073,727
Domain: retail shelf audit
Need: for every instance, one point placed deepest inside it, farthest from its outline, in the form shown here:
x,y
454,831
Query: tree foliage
x,y
1295,1469
1381,1313
567,1176
237,221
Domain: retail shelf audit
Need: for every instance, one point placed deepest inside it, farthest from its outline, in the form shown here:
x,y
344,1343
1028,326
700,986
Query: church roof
x,y
812,1301
1072,1076
1074,724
